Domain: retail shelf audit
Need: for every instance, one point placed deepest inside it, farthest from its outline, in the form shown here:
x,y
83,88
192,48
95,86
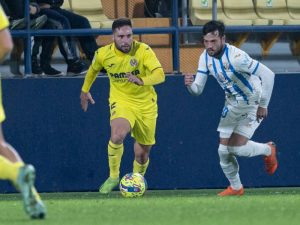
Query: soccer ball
x,y
133,185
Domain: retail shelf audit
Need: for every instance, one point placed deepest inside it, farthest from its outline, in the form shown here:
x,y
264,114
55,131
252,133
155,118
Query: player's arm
x,y
89,79
246,64
267,78
85,95
157,76
196,85
243,62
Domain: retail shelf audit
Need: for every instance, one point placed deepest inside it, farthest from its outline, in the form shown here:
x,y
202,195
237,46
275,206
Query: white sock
x,y
250,149
230,167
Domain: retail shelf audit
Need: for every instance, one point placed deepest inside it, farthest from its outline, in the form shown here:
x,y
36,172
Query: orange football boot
x,y
230,192
271,163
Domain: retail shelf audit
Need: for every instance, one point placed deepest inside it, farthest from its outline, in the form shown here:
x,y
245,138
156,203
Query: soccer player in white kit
x,y
248,86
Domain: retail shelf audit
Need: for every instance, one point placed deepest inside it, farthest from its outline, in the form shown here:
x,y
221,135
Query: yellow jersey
x,y
3,19
140,61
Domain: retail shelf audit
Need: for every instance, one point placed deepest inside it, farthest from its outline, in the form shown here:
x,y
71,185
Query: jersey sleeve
x,y
97,62
152,64
242,62
201,76
93,71
267,79
150,60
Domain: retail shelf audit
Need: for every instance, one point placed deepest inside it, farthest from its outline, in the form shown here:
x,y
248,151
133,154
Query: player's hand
x,y
188,79
85,98
261,113
134,79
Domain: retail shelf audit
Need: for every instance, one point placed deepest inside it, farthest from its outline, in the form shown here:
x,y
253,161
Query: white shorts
x,y
239,118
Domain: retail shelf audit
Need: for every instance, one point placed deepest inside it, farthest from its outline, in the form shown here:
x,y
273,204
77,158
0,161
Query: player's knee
x,y
232,149
118,137
223,152
237,150
141,158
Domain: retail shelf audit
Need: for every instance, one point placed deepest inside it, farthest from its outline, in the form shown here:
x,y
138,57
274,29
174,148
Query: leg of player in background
x,y
230,167
22,176
141,161
240,146
120,127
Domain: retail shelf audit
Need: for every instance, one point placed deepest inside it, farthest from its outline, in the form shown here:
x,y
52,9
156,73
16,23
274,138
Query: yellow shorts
x,y
142,120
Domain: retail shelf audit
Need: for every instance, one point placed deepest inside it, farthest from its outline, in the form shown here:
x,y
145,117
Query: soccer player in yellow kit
x,y
12,167
133,69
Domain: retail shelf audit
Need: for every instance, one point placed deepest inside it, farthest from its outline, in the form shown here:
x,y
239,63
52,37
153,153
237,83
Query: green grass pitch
x,y
262,206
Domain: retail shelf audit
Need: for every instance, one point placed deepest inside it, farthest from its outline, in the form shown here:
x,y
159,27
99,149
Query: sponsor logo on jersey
x,y
123,74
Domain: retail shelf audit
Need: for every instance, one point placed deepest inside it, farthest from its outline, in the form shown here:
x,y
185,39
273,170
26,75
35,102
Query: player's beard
x,y
218,53
124,49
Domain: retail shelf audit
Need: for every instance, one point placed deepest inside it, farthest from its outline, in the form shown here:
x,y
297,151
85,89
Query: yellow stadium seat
x,y
93,11
294,11
201,12
242,10
293,8
275,10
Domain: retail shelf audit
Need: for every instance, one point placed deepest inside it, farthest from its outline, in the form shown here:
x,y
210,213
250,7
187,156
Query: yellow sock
x,y
9,170
115,152
140,168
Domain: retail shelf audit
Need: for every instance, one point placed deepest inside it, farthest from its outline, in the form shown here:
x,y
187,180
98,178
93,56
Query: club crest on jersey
x,y
133,62
226,66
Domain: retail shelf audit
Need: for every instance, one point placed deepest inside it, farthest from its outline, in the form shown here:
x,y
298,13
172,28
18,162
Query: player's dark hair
x,y
120,22
212,26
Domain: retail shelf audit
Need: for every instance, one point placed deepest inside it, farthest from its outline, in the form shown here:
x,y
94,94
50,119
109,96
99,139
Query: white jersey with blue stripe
x,y
235,71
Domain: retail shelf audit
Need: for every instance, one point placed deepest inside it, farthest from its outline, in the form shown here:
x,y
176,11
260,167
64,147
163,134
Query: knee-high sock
x,y
250,149
115,152
140,168
9,170
230,167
